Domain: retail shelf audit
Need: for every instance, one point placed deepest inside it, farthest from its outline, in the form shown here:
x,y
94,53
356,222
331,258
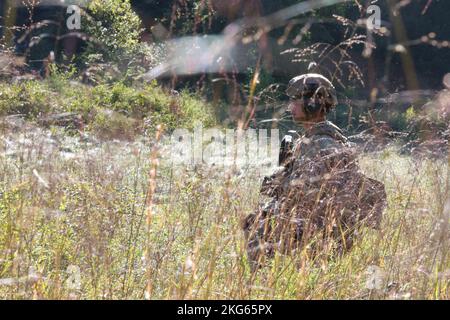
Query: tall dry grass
x,y
73,226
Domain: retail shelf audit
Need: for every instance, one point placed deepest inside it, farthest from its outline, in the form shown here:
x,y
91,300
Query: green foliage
x,y
60,75
114,51
28,98
105,108
410,114
115,29
112,124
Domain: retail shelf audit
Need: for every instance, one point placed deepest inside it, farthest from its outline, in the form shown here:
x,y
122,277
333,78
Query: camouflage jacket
x,y
321,150
319,185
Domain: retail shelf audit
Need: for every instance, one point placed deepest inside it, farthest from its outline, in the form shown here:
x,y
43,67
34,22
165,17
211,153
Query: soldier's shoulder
x,y
326,128
327,133
323,138
319,143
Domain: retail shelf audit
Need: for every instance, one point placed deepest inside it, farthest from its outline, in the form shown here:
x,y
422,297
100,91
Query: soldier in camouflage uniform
x,y
318,195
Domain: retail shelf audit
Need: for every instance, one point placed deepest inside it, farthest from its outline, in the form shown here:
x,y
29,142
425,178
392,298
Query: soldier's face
x,y
297,108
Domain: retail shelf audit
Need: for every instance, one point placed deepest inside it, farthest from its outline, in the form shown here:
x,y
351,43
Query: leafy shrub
x,y
115,26
148,104
25,98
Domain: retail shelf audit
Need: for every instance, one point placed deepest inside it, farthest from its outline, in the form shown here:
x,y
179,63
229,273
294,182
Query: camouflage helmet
x,y
312,84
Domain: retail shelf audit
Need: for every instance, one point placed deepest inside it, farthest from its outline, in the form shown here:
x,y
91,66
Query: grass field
x,y
73,225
